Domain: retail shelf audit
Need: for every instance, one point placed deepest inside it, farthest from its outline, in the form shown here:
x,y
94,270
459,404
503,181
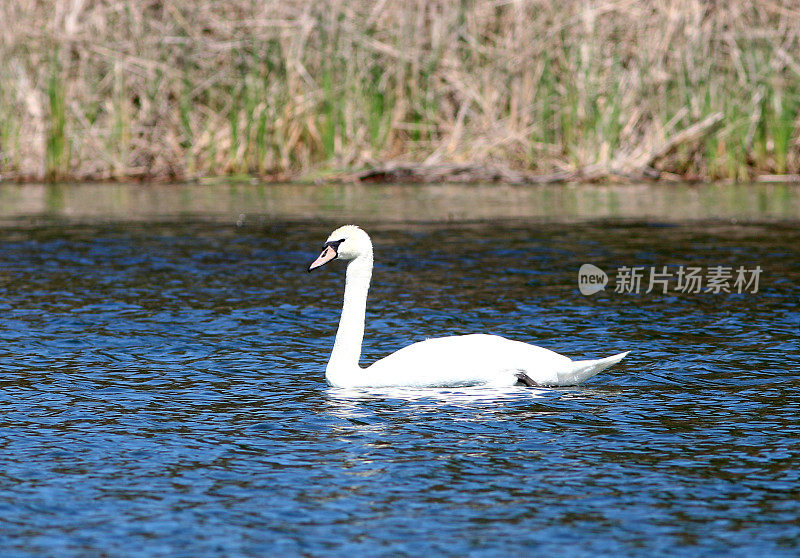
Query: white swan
x,y
445,361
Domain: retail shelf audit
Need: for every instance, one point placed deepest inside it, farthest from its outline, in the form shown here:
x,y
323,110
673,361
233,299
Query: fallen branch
x,y
779,178
641,164
451,172
635,166
692,134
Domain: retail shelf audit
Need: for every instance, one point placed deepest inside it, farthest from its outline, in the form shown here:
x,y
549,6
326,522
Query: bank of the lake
x,y
291,90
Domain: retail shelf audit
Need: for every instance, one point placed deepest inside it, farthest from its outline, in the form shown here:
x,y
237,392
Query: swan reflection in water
x,y
476,403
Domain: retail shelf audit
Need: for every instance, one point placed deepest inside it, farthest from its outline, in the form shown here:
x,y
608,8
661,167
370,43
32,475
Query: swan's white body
x,y
445,361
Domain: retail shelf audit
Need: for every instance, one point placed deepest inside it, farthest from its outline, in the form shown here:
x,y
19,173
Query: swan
x,y
462,360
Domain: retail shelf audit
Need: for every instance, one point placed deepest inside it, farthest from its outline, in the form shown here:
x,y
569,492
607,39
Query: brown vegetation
x,y
524,91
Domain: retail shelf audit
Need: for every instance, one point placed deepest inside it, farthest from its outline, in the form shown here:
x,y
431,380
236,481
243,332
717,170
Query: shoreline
x,y
411,173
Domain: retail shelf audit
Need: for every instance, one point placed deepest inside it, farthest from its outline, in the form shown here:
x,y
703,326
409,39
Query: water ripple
x,y
162,390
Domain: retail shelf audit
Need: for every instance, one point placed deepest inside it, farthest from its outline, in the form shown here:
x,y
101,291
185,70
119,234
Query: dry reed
x,y
182,89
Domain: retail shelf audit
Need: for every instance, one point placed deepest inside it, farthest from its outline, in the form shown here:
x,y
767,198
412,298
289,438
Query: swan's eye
x,y
334,244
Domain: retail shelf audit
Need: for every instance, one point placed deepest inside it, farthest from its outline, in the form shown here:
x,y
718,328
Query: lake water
x,y
162,382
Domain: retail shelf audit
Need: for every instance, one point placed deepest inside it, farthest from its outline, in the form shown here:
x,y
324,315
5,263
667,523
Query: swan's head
x,y
345,243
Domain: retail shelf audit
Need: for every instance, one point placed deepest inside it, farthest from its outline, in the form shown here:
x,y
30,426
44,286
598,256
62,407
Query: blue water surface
x,y
162,393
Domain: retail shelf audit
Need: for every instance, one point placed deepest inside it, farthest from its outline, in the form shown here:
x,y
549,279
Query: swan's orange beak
x,y
328,254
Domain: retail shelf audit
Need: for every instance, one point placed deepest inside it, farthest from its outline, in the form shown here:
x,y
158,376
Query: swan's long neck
x,y
347,347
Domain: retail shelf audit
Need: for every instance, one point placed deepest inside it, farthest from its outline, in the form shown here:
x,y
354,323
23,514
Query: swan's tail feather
x,y
582,370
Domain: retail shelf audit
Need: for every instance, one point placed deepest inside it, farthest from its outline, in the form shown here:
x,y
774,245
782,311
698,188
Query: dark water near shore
x,y
162,393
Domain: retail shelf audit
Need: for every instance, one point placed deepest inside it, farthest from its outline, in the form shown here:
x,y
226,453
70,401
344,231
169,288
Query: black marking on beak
x,y
334,244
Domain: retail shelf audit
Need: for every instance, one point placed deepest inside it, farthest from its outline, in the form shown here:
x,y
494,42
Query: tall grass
x,y
57,144
182,89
